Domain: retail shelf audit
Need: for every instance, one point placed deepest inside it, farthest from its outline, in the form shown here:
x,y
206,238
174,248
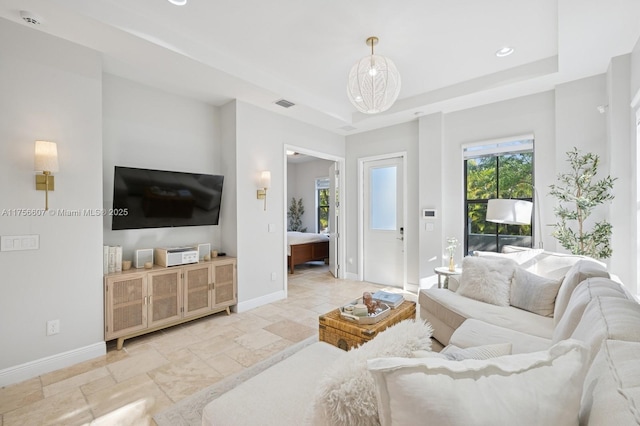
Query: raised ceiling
x,y
261,51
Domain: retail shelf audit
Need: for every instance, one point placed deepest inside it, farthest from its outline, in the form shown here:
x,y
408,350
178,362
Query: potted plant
x,y
296,210
578,194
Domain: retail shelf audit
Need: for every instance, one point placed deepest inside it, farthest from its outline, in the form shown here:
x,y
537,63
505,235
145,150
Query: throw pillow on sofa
x,y
538,388
534,293
346,394
487,279
455,353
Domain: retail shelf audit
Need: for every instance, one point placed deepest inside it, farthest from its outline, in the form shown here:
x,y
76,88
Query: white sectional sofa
x,y
594,320
447,310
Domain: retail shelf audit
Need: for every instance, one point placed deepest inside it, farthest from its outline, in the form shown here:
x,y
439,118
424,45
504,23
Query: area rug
x,y
188,412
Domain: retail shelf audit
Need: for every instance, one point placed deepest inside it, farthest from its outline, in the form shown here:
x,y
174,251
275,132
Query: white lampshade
x,y
46,157
374,82
509,211
265,179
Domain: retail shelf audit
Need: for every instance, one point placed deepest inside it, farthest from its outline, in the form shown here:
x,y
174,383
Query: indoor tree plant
x,y
296,210
578,195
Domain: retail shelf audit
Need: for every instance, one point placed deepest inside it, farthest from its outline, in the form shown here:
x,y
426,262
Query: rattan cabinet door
x,y
164,296
125,304
224,283
196,290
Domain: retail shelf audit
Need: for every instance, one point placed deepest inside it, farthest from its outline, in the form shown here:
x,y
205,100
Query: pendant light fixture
x,y
374,82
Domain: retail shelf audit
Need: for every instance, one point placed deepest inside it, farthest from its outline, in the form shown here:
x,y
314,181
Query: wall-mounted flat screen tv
x,y
144,198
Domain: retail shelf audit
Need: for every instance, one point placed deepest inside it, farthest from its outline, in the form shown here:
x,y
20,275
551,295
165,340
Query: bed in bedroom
x,y
304,247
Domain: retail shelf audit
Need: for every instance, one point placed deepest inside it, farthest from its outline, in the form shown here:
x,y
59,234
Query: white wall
x,y
622,155
430,196
302,184
229,208
399,138
260,140
635,69
635,125
579,124
529,114
148,128
50,89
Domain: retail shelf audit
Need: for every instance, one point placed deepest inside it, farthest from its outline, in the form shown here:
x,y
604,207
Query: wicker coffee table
x,y
346,334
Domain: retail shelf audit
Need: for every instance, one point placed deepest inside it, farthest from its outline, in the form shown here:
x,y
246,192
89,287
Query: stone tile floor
x,y
166,366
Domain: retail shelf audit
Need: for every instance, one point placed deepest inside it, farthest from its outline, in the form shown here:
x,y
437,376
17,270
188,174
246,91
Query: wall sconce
x,y
46,161
265,183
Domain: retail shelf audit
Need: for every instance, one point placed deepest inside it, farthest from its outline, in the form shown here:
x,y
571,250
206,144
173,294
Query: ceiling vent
x,y
284,103
29,17
348,128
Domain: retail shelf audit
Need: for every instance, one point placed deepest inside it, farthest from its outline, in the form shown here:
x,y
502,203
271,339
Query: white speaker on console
x,y
141,257
203,250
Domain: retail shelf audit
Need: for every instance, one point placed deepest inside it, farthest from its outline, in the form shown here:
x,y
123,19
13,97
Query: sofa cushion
x,y
533,293
611,393
608,318
453,310
582,295
524,258
550,264
346,394
487,279
540,388
579,272
474,333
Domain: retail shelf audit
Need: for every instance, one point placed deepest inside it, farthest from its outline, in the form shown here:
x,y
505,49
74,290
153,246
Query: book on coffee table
x,y
392,299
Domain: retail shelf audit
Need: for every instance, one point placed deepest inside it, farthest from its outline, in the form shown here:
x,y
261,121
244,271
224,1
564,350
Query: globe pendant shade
x,y
374,84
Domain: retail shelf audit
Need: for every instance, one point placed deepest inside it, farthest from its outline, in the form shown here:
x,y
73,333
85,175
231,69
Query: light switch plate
x,y
19,242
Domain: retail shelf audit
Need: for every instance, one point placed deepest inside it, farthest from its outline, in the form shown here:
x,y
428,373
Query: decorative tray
x,y
382,312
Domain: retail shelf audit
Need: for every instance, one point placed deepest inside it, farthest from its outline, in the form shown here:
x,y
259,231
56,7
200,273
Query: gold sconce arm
x,y
45,182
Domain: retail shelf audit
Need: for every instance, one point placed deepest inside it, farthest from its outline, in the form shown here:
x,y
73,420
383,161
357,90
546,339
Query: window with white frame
x,y
322,205
496,169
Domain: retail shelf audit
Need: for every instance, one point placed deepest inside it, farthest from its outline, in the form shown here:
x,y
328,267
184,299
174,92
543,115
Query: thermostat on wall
x,y
429,213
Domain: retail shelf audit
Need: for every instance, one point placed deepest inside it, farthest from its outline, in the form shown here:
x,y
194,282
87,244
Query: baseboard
x,y
351,276
41,366
262,300
411,287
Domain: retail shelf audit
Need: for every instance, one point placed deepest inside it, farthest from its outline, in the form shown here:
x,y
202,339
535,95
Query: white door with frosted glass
x,y
383,239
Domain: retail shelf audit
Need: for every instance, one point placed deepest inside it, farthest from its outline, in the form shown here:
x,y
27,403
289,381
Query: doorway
x,y
306,168
382,198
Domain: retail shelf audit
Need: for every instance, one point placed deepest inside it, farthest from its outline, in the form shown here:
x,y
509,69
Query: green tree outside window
x,y
508,175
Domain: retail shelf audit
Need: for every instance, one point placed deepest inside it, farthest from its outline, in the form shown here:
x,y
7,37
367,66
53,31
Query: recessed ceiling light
x,y
178,2
504,51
